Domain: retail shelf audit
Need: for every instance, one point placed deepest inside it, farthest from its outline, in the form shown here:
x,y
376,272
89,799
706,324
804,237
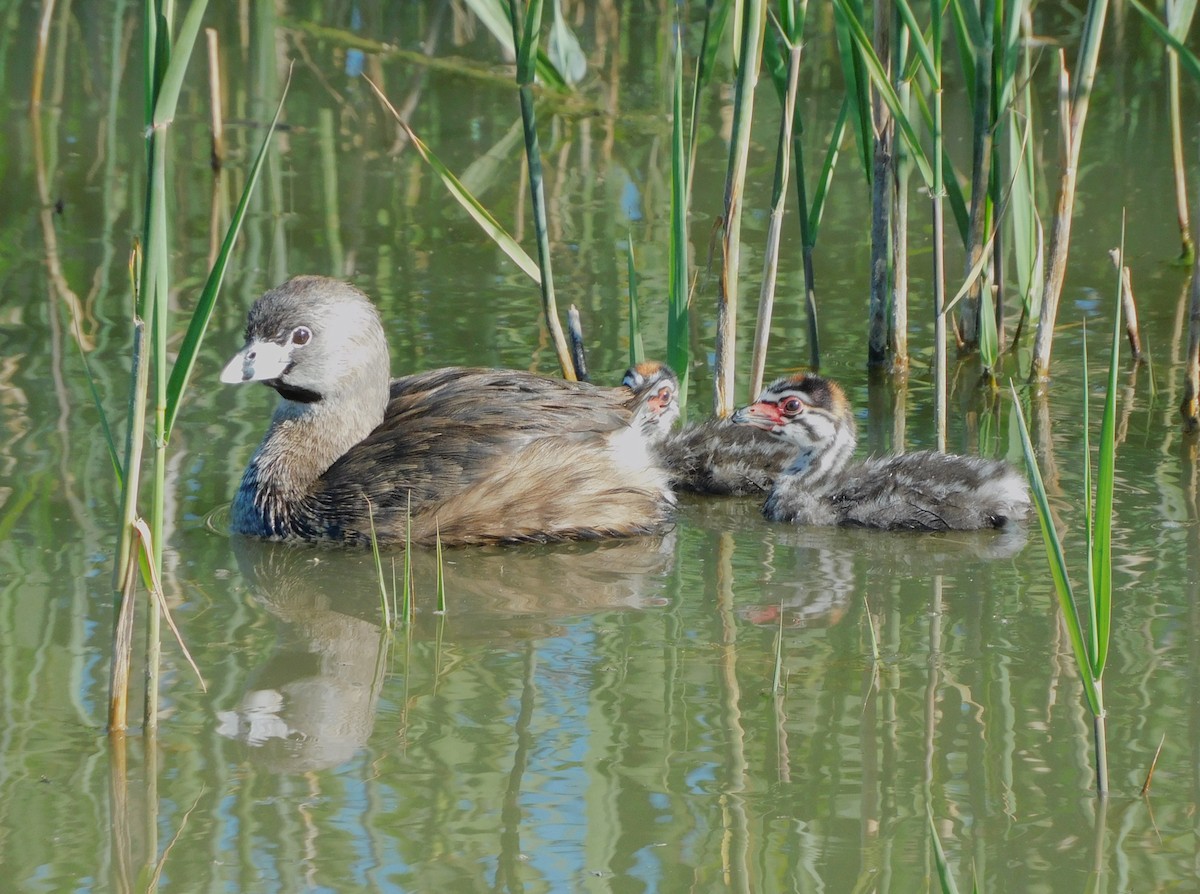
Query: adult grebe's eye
x,y
792,406
301,335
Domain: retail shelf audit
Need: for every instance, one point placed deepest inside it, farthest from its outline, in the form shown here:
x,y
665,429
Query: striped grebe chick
x,y
710,457
824,485
654,388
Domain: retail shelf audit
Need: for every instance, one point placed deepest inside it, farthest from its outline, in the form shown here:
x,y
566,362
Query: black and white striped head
x,y
655,401
809,411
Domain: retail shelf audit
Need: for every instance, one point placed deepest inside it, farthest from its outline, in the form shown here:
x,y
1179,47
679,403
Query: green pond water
x,y
594,717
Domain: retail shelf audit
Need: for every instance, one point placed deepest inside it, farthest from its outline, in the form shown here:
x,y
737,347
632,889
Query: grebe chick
x,y
475,455
923,491
721,458
710,457
655,398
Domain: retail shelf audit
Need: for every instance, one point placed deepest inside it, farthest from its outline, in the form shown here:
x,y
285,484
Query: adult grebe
x,y
477,455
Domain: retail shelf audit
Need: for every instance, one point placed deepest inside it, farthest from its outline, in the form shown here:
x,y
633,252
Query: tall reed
x,y
749,55
937,192
1189,407
1090,641
166,65
525,39
1074,115
974,28
1179,22
1024,225
902,171
783,154
637,351
678,288
928,55
793,17
882,192
519,32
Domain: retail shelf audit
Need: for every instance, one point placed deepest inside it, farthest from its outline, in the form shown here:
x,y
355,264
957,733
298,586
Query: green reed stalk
x,y
1001,97
710,43
1090,645
494,14
1060,234
395,607
1179,22
941,398
810,219
1024,224
678,346
155,290
637,351
882,183
526,44
991,287
440,602
850,42
123,576
406,602
1179,15
766,298
902,166
980,23
927,56
945,876
753,29
166,66
378,559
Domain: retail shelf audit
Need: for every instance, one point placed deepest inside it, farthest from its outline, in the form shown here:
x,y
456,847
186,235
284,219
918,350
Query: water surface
x,y
595,717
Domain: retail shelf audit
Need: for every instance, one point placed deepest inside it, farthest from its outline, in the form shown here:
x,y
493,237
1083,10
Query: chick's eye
x,y
664,395
301,335
792,405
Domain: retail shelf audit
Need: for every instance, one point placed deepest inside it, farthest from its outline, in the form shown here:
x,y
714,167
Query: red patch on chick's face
x,y
660,401
763,413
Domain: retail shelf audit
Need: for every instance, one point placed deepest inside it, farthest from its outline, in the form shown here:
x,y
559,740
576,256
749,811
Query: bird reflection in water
x,y
814,574
313,703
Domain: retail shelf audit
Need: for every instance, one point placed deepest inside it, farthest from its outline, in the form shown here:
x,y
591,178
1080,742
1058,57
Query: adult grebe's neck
x,y
319,343
302,442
